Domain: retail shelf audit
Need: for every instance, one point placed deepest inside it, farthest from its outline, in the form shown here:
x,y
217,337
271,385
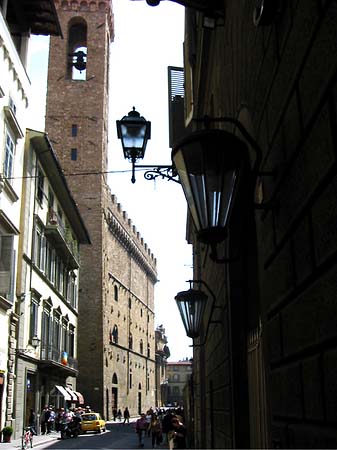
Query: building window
x,y
7,262
130,341
148,350
40,185
9,156
65,335
73,154
46,334
115,334
130,303
34,309
141,312
116,293
141,346
56,331
130,379
74,130
71,340
72,290
51,198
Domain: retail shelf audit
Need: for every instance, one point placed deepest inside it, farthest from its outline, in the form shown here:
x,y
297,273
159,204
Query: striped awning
x,y
80,398
72,394
64,392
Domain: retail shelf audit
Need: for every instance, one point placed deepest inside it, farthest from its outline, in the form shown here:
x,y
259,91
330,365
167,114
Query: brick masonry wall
x,y
285,75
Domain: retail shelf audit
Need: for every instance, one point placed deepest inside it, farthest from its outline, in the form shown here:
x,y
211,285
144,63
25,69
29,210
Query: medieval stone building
x,y
116,344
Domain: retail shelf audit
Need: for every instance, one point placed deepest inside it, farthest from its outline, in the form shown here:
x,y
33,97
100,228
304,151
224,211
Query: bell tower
x,y
115,348
77,126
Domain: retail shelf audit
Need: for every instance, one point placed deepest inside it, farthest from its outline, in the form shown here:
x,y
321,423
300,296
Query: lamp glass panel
x,y
208,164
179,163
133,135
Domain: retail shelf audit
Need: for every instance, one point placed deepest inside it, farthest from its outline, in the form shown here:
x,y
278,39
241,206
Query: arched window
x,y
114,379
77,50
141,346
115,334
116,293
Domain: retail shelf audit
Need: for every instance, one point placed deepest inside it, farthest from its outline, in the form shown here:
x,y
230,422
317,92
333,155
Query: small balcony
x,y
53,358
62,238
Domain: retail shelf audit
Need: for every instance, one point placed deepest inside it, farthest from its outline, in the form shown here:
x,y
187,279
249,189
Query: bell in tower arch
x,y
80,60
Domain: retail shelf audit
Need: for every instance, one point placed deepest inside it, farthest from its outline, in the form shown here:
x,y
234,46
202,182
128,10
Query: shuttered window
x,y
7,261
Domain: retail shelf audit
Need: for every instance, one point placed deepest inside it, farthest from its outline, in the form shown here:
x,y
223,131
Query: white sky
x,y
147,41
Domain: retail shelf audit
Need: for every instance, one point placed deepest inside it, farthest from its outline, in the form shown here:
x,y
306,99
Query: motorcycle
x,y
69,429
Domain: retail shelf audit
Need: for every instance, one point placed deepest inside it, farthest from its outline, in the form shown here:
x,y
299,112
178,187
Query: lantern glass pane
x,y
133,135
208,164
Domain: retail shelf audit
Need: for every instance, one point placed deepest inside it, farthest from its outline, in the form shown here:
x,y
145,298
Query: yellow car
x,y
92,422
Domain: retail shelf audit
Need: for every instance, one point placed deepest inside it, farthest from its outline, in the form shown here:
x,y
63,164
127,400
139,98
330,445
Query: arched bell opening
x,y
77,49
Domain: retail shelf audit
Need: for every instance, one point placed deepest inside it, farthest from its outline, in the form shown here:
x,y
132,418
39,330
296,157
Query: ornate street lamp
x,y
134,132
34,342
210,164
191,305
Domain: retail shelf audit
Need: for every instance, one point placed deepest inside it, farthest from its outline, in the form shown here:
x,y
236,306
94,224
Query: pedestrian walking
x,y
32,421
178,433
114,414
141,427
155,430
119,414
44,419
51,420
126,415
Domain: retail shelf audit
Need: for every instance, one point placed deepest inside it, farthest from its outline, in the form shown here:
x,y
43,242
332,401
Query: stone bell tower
x,y
77,125
118,271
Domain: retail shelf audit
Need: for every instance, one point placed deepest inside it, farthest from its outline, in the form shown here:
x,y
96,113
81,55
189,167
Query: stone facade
x,y
118,272
265,377
162,354
178,377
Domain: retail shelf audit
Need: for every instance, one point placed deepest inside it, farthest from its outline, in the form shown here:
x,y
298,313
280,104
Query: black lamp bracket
x,y
198,5
153,172
214,256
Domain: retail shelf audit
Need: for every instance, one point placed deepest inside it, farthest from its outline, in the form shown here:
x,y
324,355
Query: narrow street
x,y
117,436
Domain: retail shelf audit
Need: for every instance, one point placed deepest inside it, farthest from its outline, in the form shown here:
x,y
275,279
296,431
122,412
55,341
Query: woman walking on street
x,y
141,426
155,430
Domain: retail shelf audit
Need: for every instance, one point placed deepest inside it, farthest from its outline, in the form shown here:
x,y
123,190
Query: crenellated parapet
x,y
91,6
121,226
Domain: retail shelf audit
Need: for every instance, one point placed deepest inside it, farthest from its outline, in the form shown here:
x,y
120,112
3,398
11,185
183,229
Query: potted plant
x,y
7,433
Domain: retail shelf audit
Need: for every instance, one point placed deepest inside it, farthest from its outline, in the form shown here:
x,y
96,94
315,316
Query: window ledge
x,y
14,124
8,188
5,304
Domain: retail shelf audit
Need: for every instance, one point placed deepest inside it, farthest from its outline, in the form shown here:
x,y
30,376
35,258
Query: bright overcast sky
x,y
147,41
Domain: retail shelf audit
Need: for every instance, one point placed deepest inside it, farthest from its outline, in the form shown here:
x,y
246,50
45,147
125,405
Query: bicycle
x,y
27,438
